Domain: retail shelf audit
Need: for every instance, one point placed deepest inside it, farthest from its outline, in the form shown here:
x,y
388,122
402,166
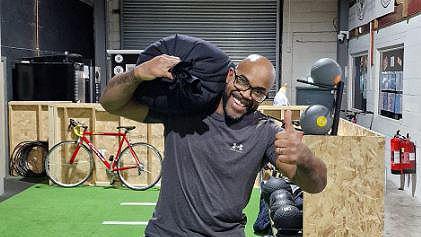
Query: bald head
x,y
259,67
247,86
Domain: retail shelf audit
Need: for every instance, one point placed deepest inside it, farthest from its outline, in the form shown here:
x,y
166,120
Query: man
x,y
211,161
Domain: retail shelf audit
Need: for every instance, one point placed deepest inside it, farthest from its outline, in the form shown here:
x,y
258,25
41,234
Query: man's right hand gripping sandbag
x,y
195,79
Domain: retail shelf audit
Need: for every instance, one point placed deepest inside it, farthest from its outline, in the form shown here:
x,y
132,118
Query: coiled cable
x,y
28,159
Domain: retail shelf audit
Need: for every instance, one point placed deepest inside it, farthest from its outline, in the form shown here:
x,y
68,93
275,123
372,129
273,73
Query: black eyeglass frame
x,y
247,86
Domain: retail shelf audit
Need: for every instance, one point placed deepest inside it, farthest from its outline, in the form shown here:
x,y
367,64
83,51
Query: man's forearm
x,y
311,174
119,91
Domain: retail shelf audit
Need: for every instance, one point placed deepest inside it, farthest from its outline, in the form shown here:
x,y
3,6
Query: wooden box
x,y
278,111
28,121
352,203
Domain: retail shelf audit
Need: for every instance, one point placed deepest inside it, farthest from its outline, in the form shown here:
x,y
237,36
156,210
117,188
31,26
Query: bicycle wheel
x,y
59,169
140,176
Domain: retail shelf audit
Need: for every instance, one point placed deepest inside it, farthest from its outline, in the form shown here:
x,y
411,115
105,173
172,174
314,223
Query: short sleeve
x,y
274,127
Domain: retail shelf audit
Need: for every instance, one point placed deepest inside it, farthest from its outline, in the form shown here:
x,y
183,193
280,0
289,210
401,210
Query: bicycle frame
x,y
110,166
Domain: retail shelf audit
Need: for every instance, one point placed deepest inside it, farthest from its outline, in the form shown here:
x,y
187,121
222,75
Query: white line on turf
x,y
138,204
124,222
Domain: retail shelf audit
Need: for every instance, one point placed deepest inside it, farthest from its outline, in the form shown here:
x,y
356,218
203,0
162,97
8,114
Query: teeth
x,y
238,102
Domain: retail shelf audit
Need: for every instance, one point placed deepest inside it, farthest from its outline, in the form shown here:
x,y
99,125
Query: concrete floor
x,y
402,212
15,185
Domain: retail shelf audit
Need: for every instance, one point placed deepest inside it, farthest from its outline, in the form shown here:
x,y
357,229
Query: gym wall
x,y
113,24
3,123
3,128
405,33
66,25
63,25
309,34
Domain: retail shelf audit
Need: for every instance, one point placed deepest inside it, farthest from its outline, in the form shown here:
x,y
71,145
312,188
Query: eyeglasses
x,y
241,83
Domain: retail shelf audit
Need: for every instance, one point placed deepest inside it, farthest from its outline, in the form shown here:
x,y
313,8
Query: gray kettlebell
x,y
326,71
317,120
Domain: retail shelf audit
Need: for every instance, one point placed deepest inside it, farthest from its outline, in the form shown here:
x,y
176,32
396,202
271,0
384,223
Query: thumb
x,y
288,121
169,75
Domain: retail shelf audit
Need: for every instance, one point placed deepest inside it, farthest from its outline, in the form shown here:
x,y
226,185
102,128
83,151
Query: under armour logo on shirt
x,y
237,147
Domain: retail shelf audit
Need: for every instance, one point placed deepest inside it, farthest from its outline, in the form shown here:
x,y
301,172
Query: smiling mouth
x,y
240,102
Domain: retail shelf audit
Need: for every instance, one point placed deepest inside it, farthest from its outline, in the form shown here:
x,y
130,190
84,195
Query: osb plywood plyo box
x,y
28,121
98,120
352,203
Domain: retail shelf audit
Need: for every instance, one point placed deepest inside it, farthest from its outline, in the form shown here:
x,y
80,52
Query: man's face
x,y
238,102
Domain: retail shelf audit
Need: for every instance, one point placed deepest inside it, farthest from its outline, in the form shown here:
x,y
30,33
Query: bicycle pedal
x,y
113,177
115,181
111,158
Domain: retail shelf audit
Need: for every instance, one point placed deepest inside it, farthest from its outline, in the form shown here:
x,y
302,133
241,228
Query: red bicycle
x,y
70,163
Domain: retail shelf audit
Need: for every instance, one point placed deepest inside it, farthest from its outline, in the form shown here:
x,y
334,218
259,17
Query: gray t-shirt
x,y
208,174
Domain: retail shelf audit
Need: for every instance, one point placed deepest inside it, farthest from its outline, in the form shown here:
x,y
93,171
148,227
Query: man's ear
x,y
230,75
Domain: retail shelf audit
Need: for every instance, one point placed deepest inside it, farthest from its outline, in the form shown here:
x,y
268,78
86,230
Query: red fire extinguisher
x,y
409,158
396,153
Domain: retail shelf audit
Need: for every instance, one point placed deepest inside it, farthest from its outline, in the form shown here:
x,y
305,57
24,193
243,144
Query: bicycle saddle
x,y
128,128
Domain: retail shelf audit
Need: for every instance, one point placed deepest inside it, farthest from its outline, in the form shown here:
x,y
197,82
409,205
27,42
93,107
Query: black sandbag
x,y
199,80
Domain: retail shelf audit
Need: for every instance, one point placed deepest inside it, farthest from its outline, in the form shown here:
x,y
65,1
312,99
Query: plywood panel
x,y
137,135
22,124
156,138
278,111
346,128
43,123
28,121
352,203
108,145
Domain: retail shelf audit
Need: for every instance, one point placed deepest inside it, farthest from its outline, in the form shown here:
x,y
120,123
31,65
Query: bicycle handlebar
x,y
74,123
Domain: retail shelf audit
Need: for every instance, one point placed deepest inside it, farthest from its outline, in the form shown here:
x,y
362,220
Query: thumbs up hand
x,y
289,147
297,161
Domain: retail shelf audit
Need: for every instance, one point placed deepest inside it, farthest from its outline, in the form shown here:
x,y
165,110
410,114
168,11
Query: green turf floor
x,y
49,211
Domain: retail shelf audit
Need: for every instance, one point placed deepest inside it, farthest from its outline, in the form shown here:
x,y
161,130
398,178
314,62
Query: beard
x,y
231,115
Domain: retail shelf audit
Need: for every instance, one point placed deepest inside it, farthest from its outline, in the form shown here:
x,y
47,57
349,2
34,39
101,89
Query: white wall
x,y
113,24
407,33
308,35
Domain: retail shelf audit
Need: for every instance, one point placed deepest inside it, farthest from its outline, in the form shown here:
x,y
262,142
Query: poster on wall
x,y
383,100
361,12
391,102
398,104
391,83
